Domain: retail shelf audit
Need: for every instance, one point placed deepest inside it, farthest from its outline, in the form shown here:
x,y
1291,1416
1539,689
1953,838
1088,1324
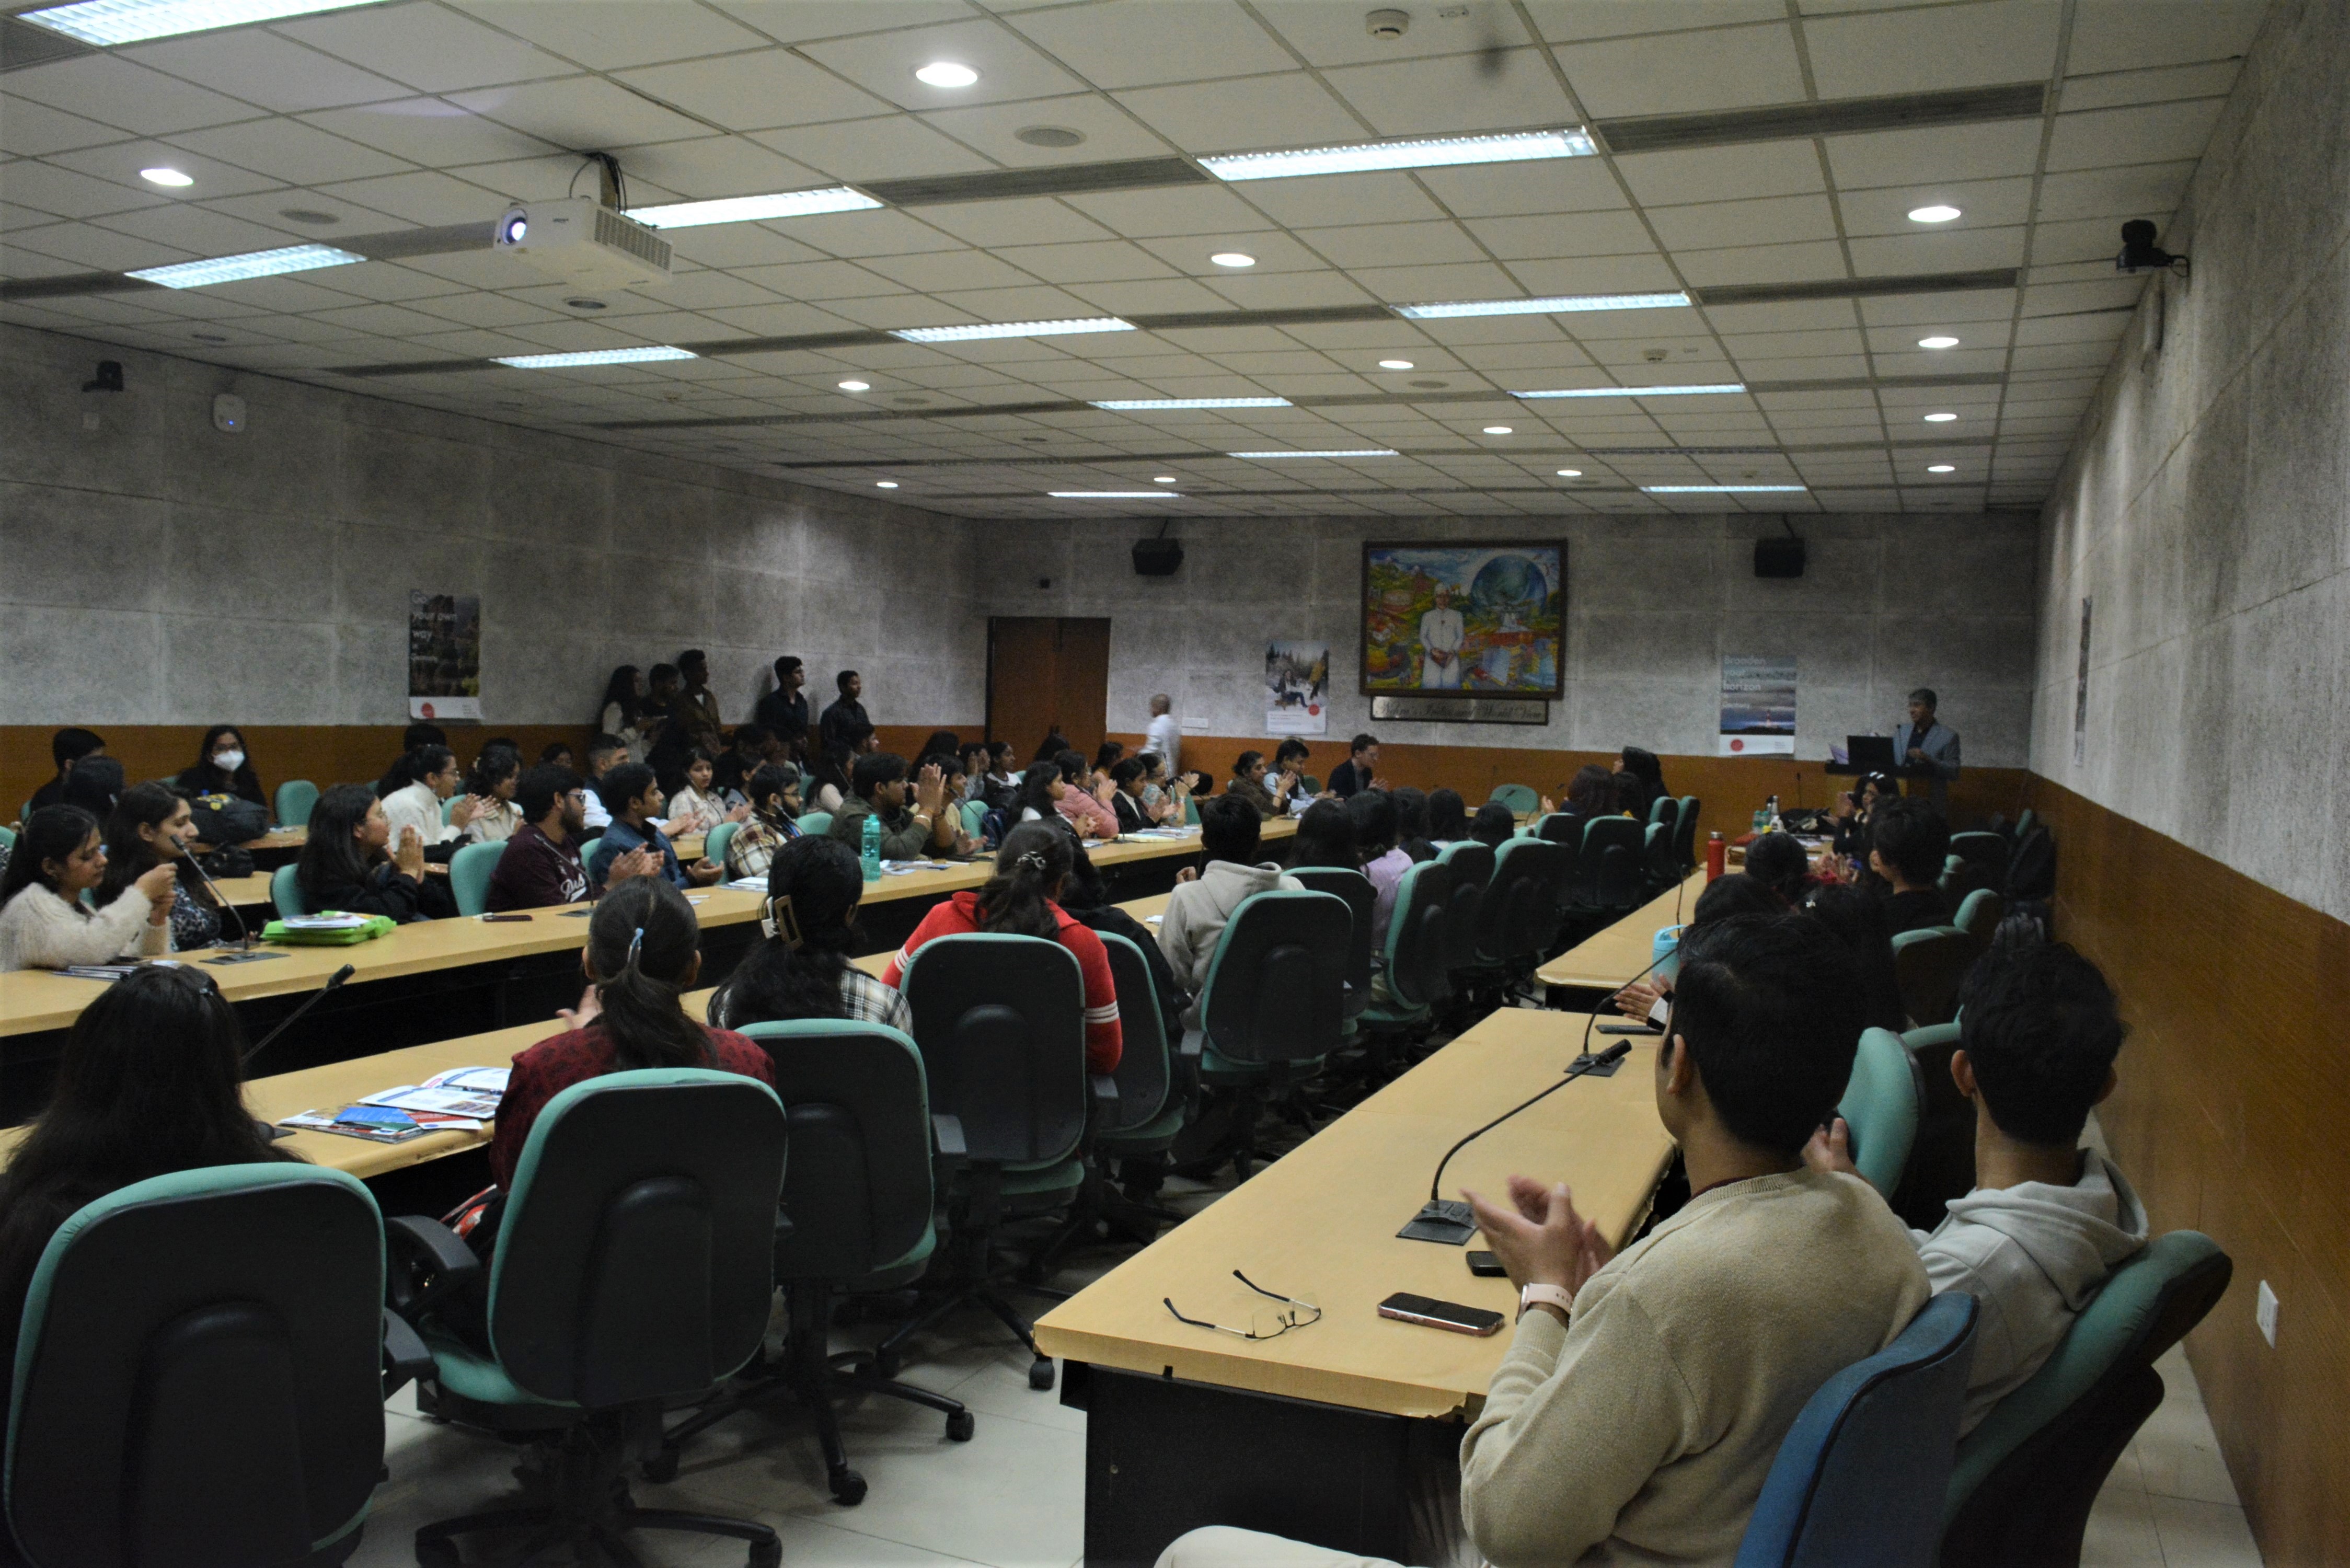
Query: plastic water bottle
x,y
1774,809
870,855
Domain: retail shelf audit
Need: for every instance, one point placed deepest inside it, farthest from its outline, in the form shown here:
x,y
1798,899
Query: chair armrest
x,y
1101,1110
405,1359
428,1261
948,1153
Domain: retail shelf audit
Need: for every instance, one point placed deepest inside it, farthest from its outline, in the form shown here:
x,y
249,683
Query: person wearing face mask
x,y
152,825
223,767
43,923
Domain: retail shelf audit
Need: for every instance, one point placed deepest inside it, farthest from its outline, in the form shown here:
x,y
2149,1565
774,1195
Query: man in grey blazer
x,y
1928,750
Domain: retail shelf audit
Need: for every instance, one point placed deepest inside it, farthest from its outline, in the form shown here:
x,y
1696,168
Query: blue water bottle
x,y
871,853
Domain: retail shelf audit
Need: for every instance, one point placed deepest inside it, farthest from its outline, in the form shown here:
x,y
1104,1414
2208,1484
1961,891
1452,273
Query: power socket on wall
x,y
2265,1312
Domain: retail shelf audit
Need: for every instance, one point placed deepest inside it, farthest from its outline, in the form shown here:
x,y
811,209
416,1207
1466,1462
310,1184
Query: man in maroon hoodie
x,y
540,867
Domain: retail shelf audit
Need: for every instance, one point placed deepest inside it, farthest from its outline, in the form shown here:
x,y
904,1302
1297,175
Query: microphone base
x,y
238,944
1447,1221
1591,1066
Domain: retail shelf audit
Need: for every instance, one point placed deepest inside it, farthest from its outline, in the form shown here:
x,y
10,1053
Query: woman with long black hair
x,y
1021,900
491,786
43,921
622,713
830,784
1644,766
802,969
222,766
148,1085
152,825
350,862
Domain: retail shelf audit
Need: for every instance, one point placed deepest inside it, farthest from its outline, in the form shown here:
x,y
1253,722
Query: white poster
x,y
1758,707
1297,687
444,655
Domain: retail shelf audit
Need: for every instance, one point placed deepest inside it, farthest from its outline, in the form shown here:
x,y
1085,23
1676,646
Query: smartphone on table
x,y
1405,1307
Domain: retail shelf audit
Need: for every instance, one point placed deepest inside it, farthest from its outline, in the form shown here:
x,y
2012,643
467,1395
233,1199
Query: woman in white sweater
x,y
432,777
43,922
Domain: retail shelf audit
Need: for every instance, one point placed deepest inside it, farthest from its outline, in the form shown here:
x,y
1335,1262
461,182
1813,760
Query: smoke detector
x,y
1387,24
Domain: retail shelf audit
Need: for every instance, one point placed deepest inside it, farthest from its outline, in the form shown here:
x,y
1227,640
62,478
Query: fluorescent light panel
x,y
1637,391
1352,451
108,22
646,355
1722,489
1011,329
253,264
1128,405
1555,306
1113,495
1428,153
755,209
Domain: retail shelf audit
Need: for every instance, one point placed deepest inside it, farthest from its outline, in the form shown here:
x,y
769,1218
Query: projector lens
x,y
515,229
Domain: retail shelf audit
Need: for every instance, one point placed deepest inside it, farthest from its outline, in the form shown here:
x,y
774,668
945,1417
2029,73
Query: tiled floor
x,y
2169,1501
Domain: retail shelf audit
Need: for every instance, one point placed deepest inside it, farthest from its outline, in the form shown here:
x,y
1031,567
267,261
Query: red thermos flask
x,y
1717,856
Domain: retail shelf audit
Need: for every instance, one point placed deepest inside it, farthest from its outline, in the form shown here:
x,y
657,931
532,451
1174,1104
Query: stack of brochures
x,y
460,1100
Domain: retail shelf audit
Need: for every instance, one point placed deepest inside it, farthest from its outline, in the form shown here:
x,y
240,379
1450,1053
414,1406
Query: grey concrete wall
x,y
154,570
1886,603
2205,509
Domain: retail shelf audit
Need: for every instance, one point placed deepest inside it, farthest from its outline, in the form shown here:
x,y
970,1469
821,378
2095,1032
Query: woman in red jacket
x,y
1022,900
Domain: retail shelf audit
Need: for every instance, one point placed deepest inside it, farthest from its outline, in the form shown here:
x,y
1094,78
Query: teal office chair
x,y
1986,852
1685,833
1859,1476
2025,824
816,824
867,1161
1354,890
634,1268
1308,784
286,893
449,808
1519,914
9,839
1519,799
293,802
1415,971
1472,864
974,816
713,843
1274,1007
200,1375
1880,1107
1942,1156
469,876
1664,812
1614,849
999,1023
588,850
1978,913
2027,1477
1191,812
1930,964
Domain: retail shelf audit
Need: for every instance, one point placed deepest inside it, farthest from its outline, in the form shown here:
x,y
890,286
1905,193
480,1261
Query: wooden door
x,y
1045,674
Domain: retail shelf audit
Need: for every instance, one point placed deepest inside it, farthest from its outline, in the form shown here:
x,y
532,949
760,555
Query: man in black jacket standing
x,y
846,720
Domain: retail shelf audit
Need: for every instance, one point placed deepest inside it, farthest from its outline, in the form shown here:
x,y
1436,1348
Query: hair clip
x,y
783,923
1034,860
636,943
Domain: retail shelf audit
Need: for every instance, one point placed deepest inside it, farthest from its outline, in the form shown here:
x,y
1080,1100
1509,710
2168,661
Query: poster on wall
x,y
1758,707
1297,687
444,655
2081,694
1465,619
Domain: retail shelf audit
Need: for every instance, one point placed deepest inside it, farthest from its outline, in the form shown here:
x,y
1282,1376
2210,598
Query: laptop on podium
x,y
1870,753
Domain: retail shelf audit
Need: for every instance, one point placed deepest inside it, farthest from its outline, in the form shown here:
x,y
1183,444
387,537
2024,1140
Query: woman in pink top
x,y
1089,814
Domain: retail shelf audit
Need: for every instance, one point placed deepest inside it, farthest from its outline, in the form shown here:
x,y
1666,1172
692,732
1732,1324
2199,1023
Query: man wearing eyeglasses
x,y
539,868
1646,1393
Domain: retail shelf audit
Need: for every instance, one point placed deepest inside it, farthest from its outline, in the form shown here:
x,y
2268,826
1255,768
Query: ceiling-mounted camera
x,y
2141,254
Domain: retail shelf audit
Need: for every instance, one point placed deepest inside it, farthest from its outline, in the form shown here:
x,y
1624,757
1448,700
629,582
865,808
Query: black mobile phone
x,y
1486,1266
1405,1307
500,919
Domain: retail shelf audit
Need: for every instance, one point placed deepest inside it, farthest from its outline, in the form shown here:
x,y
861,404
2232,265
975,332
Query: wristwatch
x,y
1548,1296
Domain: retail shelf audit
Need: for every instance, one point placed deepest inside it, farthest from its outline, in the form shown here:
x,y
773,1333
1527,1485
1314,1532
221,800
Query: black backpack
x,y
224,819
2031,869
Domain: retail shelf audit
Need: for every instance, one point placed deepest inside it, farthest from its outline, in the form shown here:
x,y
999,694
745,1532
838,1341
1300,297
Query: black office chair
x,y
1685,833
1473,873
199,1374
1361,898
866,1161
1000,1021
1274,1006
1561,827
635,1267
1519,914
1930,964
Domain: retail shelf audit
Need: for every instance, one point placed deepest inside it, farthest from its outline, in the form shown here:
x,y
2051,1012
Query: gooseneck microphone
x,y
245,941
334,983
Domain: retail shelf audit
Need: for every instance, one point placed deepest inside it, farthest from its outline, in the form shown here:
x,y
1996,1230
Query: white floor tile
x,y
2121,1532
2203,1534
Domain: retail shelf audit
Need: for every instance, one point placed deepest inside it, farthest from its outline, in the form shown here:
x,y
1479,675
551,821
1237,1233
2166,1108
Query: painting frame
x,y
1392,614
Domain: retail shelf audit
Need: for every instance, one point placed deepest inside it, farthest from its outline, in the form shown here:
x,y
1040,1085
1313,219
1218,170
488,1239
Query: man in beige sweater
x,y
1645,1395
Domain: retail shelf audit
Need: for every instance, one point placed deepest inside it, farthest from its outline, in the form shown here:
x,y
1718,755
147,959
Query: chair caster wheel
x,y
662,1467
847,1487
1040,1373
887,1363
961,1425
766,1554
436,1554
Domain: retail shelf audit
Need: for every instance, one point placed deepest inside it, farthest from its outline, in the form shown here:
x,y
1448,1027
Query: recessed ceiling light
x,y
105,22
1162,479
1497,430
1942,468
1637,391
1128,405
1938,342
855,386
584,303
1719,489
755,209
947,74
1939,419
885,484
1395,364
1555,305
1934,214
1234,258
1049,136
984,329
646,355
1428,153
163,176
1113,495
1570,474
1351,452
253,264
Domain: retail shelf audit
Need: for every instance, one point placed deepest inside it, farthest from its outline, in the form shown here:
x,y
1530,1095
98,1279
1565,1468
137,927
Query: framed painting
x,y
1476,618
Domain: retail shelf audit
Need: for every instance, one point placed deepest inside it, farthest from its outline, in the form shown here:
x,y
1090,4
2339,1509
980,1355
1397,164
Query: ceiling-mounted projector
x,y
581,241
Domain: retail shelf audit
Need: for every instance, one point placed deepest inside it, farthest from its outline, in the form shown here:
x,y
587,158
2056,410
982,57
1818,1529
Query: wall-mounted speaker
x,y
1776,558
1157,557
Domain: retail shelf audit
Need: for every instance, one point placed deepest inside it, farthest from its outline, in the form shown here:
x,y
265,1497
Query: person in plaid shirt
x,y
802,969
775,792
